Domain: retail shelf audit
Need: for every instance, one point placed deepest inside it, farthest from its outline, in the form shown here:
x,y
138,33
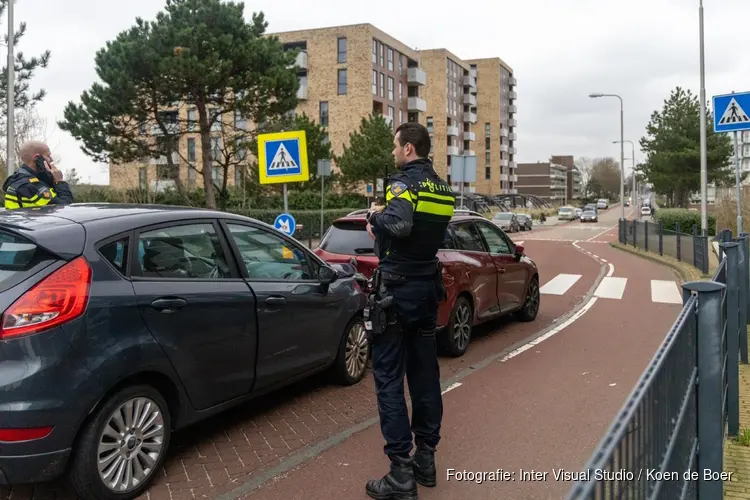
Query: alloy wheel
x,y
462,326
131,444
532,298
356,350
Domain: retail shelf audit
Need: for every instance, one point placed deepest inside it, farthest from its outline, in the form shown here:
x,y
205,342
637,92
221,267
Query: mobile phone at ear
x,y
39,162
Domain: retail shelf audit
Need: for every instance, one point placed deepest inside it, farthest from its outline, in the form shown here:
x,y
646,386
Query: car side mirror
x,y
519,251
327,275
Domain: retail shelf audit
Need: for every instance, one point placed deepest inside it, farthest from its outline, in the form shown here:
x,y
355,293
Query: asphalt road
x,y
525,395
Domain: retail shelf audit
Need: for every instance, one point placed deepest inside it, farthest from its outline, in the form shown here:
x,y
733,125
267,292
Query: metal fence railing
x,y
651,236
671,429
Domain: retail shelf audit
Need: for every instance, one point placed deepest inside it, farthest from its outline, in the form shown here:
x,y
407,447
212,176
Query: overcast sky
x,y
560,51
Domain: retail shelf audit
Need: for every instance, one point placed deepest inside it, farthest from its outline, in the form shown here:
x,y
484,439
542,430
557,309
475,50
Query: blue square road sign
x,y
732,112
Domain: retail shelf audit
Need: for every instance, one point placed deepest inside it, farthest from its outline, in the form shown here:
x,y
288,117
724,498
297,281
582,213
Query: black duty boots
x,y
398,484
424,465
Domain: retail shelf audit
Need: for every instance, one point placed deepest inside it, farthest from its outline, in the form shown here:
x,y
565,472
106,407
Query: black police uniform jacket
x,y
412,227
26,188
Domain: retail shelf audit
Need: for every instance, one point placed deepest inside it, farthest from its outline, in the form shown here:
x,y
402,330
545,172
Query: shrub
x,y
726,210
671,217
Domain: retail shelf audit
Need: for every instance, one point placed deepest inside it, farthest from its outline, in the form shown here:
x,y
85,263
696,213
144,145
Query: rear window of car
x,y
504,216
19,259
566,210
348,238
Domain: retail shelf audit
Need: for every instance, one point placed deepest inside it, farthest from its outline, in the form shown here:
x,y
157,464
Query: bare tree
x,y
585,166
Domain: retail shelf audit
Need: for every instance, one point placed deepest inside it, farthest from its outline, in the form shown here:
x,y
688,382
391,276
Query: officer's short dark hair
x,y
415,134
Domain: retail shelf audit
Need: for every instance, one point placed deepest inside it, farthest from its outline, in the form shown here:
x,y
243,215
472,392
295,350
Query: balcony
x,y
416,76
513,122
513,81
469,152
162,160
513,164
513,136
416,104
513,108
504,177
513,150
512,95
470,117
452,131
513,191
301,61
503,162
470,99
302,92
470,136
473,72
453,150
504,148
513,178
503,132
470,81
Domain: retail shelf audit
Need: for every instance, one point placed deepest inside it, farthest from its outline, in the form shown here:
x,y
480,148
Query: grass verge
x,y
683,269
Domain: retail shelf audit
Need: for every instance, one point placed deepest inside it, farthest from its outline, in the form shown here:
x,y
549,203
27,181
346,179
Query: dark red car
x,y
486,275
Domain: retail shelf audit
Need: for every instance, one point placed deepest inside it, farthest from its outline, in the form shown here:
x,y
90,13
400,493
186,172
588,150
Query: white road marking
x,y
603,260
611,288
560,284
603,232
451,387
611,270
550,333
665,292
596,256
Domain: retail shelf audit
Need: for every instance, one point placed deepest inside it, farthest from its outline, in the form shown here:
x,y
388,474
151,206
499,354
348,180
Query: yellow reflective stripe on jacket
x,y
405,194
435,204
12,202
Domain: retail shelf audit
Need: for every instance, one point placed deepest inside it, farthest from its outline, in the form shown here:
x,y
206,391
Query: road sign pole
x,y
704,161
286,200
737,181
322,205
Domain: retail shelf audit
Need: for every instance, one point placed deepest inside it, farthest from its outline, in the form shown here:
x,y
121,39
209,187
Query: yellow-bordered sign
x,y
282,157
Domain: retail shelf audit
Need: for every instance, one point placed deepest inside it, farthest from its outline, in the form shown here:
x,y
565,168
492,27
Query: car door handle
x,y
169,305
275,301
501,270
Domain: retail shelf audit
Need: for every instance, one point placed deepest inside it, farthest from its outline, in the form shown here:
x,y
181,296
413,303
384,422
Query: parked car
x,y
579,212
507,221
123,323
646,210
566,213
602,203
485,274
524,222
589,216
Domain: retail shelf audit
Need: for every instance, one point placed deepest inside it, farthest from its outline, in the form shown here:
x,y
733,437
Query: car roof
x,y
456,217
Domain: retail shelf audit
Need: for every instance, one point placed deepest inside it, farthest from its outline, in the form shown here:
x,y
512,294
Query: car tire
x,y
353,355
530,308
455,338
85,475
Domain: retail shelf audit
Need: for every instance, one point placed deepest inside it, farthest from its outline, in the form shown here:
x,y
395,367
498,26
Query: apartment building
x,y
575,186
548,181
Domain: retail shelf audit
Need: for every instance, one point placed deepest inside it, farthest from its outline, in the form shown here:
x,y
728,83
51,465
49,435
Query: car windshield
x,y
522,217
589,213
348,238
503,216
566,210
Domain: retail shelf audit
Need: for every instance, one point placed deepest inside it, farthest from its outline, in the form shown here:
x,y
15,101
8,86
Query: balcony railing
x,y
416,104
470,81
452,131
162,160
416,76
470,136
302,92
470,117
470,99
453,150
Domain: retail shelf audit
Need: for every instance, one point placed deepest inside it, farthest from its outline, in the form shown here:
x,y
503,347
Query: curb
x,y
678,269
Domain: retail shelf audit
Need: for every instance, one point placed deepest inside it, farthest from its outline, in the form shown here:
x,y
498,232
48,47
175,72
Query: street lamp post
x,y
704,156
11,145
633,195
622,150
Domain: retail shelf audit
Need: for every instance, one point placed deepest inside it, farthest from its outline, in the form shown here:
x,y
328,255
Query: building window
x,y
487,143
192,173
324,113
429,124
191,150
391,114
382,55
400,116
390,59
341,44
400,64
382,85
342,81
374,82
240,122
487,158
192,119
400,91
487,173
217,149
374,51
487,130
143,178
390,88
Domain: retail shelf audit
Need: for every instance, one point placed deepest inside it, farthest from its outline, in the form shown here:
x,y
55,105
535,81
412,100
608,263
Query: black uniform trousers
x,y
408,347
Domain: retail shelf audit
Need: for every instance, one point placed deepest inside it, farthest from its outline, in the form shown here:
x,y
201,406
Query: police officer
x,y
37,183
408,233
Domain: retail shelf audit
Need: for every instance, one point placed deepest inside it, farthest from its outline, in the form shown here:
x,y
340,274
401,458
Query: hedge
x,y
309,219
670,217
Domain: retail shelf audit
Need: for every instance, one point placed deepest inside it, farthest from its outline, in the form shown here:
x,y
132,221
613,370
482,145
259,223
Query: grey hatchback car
x,y
123,323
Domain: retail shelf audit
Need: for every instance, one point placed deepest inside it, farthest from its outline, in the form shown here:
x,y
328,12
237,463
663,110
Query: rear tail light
x,y
60,297
28,434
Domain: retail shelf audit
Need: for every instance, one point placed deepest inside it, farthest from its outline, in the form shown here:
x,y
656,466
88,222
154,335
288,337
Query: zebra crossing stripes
x,y
614,287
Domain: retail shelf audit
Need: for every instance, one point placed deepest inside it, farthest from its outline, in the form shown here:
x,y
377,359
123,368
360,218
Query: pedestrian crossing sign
x,y
732,112
282,157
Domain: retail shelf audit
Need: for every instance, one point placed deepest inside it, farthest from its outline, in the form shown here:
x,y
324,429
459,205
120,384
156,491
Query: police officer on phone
x,y
37,183
408,232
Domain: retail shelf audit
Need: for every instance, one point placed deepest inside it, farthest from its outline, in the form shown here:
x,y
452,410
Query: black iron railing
x,y
671,429
651,236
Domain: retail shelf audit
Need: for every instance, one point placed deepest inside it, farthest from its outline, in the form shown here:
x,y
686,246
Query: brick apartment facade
x,y
574,175
548,181
348,72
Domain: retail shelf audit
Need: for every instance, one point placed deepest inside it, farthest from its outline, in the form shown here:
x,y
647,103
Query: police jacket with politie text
x,y
412,227
29,189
